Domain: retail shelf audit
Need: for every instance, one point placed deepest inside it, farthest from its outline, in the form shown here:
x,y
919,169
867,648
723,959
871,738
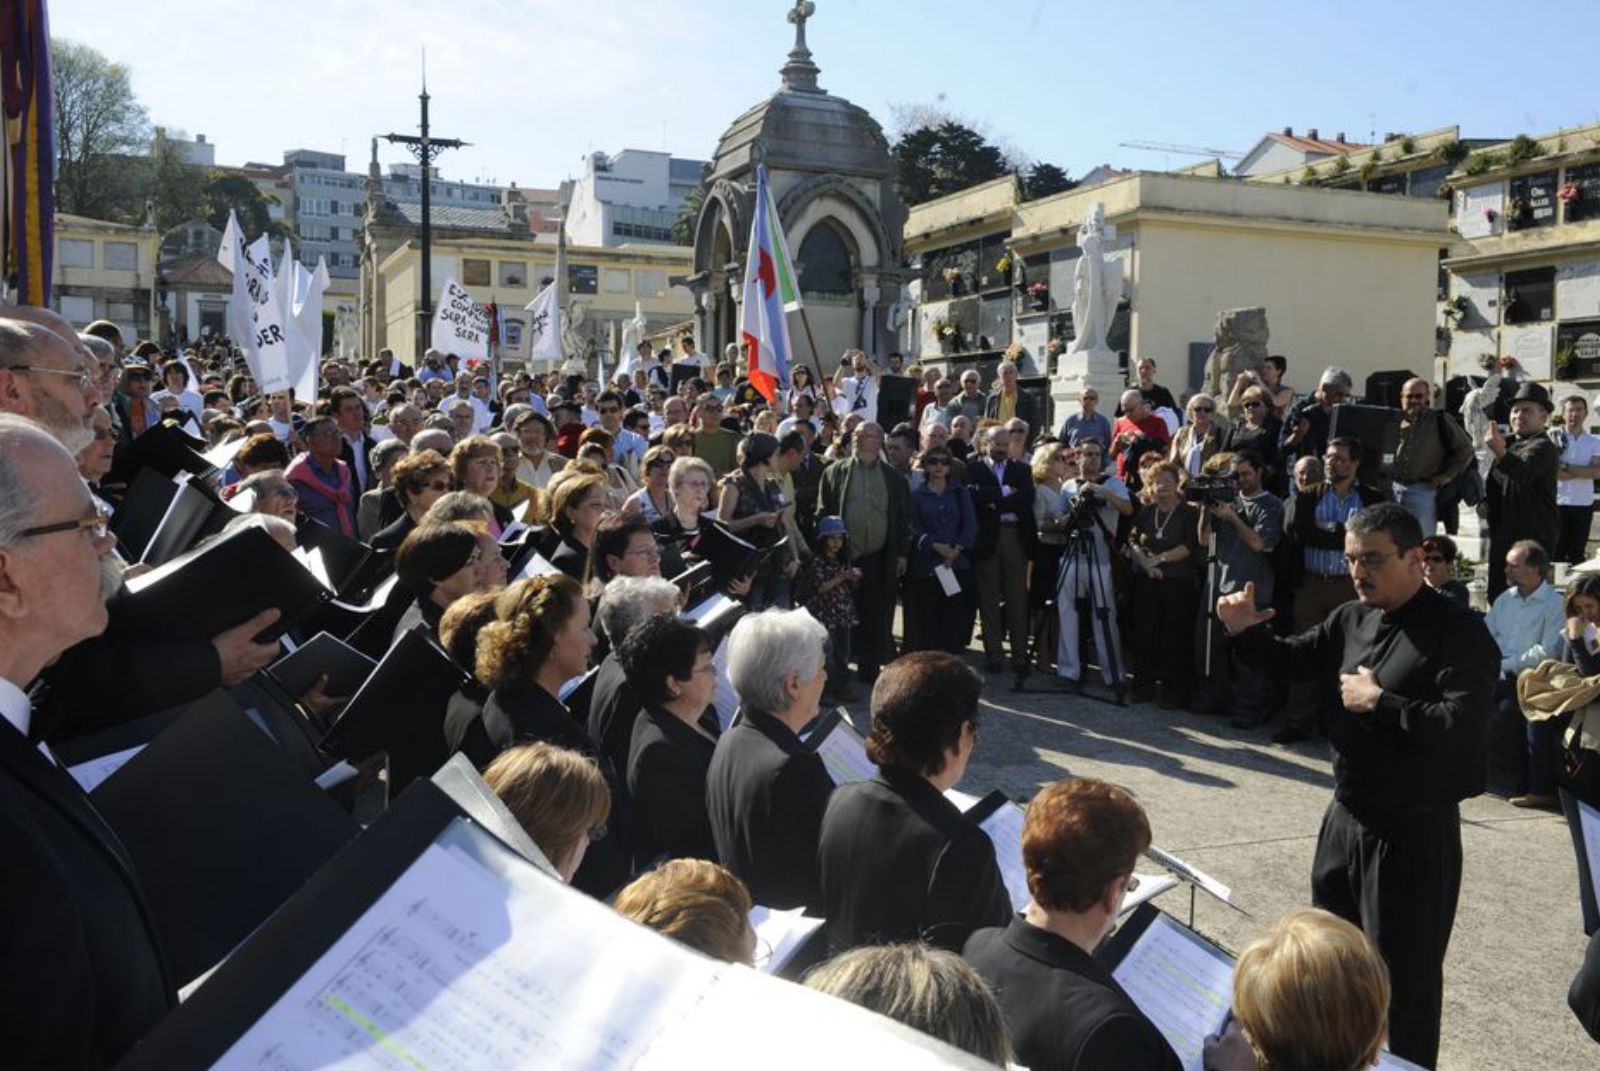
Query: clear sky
x,y
536,84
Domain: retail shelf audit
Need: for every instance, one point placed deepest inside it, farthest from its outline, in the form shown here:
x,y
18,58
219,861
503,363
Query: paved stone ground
x,y
1247,812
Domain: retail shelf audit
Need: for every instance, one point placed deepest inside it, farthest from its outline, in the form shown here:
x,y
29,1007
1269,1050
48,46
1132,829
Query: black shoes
x,y
1290,734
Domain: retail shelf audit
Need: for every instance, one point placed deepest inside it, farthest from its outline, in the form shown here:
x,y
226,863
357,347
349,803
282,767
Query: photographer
x,y
1247,527
1094,500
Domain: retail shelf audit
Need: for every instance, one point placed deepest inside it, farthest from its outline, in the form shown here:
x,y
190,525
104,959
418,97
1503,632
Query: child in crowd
x,y
826,590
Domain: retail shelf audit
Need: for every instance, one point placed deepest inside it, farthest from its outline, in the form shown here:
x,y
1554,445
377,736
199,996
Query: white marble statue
x,y
633,332
1096,286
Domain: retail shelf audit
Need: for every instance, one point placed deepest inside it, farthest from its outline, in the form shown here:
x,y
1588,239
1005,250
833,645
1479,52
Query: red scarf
x,y
300,471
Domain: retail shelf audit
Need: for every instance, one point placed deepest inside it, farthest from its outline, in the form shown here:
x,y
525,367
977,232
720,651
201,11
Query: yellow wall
x,y
100,284
1365,303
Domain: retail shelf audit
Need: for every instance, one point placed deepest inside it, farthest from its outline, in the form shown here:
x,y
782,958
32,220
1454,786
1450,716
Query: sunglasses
x,y
1434,559
1252,405
1205,409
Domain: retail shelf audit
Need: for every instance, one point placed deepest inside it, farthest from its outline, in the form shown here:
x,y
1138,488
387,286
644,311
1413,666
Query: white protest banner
x,y
544,327
257,316
460,324
306,309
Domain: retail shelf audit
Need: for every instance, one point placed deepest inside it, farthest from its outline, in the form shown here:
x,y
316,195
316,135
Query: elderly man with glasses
x,y
713,443
45,379
82,956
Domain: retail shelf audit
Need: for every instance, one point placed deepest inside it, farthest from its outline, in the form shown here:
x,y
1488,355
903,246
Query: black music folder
x,y
400,710
221,828
193,513
141,511
217,586
166,449
346,667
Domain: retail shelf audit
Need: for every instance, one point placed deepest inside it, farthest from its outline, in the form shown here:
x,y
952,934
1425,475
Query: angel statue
x,y
1096,286
632,334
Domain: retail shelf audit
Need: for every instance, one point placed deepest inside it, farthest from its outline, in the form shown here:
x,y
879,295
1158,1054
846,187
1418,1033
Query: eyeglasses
x,y
284,491
1369,561
930,462
649,552
607,410
1252,405
96,525
1204,408
436,485
1132,884
82,378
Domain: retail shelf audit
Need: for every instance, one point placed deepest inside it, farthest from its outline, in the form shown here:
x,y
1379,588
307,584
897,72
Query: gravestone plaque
x,y
1531,201
1578,290
994,323
1474,207
1579,344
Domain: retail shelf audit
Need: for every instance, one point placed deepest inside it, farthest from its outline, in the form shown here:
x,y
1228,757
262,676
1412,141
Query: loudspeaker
x,y
1378,430
896,396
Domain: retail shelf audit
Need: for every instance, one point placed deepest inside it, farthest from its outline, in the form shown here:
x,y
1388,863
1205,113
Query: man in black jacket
x,y
1002,492
1520,493
1063,1009
82,975
766,791
1410,741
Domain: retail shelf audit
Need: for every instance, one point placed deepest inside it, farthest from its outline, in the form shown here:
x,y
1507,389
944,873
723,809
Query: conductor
x,y
1409,735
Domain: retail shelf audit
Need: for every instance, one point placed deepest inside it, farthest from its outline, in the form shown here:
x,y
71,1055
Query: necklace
x,y
1160,526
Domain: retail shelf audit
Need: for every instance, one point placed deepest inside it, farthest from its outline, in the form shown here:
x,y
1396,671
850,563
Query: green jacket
x,y
835,486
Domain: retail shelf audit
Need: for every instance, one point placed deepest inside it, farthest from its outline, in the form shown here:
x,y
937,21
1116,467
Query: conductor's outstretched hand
x,y
1238,612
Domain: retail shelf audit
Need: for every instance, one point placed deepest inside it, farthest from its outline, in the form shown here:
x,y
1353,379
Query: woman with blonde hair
x,y
577,502
1198,439
696,903
1310,994
557,795
476,464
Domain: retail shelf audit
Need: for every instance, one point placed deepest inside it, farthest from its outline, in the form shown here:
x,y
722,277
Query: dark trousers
x,y
1400,886
1524,755
1572,544
1580,780
1317,597
838,661
874,611
936,621
1163,636
1230,686
1003,597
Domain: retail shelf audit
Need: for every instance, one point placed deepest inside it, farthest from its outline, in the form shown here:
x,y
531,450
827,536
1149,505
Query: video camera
x,y
1211,490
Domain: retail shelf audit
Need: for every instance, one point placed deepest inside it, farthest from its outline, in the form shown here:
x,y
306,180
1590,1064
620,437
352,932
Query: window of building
x,y
119,311
1530,296
583,279
616,282
649,283
122,256
474,272
513,273
825,266
74,253
77,309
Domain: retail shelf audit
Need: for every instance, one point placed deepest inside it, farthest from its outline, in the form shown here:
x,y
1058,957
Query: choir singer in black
x,y
1416,682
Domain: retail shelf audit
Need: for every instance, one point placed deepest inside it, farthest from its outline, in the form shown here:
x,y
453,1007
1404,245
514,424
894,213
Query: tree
x,y
1044,179
177,187
99,125
689,215
934,161
224,193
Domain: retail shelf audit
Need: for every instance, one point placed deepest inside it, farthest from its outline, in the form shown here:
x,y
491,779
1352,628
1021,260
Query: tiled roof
x,y
459,217
1318,145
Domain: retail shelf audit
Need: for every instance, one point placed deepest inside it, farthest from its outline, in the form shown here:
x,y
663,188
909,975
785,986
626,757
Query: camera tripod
x,y
1083,558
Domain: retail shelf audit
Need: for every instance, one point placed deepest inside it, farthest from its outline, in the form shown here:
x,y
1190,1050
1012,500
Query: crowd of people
x,y
1223,555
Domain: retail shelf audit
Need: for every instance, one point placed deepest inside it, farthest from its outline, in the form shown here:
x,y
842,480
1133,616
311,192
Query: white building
x,y
1285,149
634,196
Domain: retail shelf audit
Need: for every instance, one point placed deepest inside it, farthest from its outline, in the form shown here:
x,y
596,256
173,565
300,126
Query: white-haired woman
x,y
1201,437
766,791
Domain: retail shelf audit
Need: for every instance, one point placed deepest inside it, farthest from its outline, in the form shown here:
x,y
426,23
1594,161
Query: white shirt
x,y
15,706
698,359
1580,450
281,429
857,395
358,450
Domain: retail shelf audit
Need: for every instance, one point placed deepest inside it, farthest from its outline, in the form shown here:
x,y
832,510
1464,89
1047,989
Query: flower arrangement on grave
x,y
951,274
947,332
1570,193
1014,352
1563,359
1039,291
1458,306
1505,364
1003,265
1490,214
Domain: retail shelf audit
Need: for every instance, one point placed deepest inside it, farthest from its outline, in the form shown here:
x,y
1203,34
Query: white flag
x,y
460,324
306,310
257,318
544,326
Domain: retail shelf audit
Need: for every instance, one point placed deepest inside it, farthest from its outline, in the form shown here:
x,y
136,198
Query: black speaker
x,y
1383,388
1038,388
1377,428
896,396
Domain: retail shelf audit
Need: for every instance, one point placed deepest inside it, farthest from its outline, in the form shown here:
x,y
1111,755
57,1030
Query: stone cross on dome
x,y
800,73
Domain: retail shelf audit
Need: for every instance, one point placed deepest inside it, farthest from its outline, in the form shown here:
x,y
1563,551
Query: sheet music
x,y
380,595
1388,1061
538,565
1004,828
1150,887
714,605
845,756
1187,870
1589,824
449,971
783,932
724,699
90,775
1183,984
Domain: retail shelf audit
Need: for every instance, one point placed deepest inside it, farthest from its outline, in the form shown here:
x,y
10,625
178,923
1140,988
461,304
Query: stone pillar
x,y
703,319
871,338
1085,368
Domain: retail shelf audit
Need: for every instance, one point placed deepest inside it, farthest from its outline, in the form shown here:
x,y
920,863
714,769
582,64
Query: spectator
x,y
1006,402
1433,451
874,501
557,795
1247,532
944,529
1137,431
765,790
652,501
539,463
1088,422
971,402
1080,841
1200,438
668,664
1259,429
420,479
826,589
1166,554
696,903
1520,492
713,443
1306,426
857,393
370,509
1002,498
1580,465
927,989
1439,569
1155,395
898,860
1525,621
327,490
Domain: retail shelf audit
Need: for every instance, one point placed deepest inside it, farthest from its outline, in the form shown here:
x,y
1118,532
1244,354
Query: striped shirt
x,y
1333,511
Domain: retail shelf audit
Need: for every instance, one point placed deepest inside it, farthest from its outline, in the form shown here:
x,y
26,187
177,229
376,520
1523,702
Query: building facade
x,y
631,197
106,271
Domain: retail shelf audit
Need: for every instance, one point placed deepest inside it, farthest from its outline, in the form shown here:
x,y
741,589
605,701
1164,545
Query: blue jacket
x,y
941,518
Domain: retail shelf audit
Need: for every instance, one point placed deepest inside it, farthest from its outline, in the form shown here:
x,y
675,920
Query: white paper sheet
x,y
782,932
716,604
1150,887
947,579
724,698
845,756
1182,984
537,565
1004,828
90,775
1191,872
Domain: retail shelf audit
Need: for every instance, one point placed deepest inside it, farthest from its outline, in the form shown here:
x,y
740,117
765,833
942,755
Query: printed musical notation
x,y
844,756
1181,982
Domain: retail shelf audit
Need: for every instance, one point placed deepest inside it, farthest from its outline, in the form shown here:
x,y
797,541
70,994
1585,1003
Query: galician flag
x,y
788,289
762,325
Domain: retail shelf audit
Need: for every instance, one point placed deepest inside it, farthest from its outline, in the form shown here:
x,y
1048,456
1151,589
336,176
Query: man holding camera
x,y
1100,499
1247,527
